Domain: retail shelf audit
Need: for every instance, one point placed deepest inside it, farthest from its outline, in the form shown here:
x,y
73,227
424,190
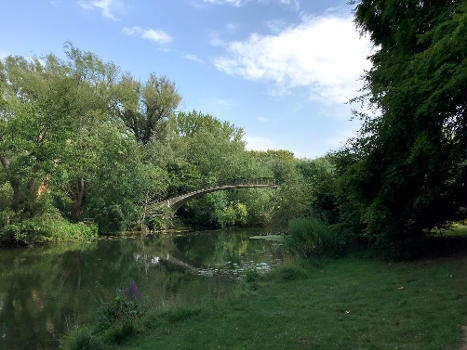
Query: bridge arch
x,y
176,202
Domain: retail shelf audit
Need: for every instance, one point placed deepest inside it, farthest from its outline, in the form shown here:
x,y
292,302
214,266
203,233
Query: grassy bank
x,y
347,303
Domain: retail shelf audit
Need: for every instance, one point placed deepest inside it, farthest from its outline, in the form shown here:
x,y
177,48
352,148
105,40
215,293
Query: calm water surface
x,y
46,290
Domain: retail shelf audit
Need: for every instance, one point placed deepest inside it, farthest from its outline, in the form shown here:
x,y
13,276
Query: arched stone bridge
x,y
177,201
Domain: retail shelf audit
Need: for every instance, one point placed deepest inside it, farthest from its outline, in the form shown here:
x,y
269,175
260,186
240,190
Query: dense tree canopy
x,y
79,141
406,171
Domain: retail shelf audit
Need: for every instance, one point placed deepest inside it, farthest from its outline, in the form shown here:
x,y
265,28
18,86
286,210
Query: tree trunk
x,y
79,199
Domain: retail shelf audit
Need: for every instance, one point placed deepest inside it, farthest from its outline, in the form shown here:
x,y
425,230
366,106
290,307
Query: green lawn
x,y
456,229
349,303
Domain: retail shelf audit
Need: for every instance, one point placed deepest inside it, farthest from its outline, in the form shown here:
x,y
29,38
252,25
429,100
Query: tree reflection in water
x,y
44,291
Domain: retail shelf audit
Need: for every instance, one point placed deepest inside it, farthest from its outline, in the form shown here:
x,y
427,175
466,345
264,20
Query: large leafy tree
x,y
406,172
145,107
39,115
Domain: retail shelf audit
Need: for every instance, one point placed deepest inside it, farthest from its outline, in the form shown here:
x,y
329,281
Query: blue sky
x,y
280,69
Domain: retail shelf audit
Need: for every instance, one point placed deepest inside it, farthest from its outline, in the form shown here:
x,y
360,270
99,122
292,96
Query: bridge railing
x,y
216,183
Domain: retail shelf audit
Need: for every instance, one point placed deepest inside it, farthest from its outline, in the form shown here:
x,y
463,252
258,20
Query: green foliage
x,y
311,237
235,213
105,147
405,173
250,283
81,339
161,218
116,322
145,108
120,332
120,308
48,227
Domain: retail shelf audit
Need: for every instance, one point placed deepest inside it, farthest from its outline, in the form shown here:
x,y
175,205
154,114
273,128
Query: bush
x,y
311,237
110,219
47,227
119,332
250,282
81,339
121,308
160,218
235,213
116,321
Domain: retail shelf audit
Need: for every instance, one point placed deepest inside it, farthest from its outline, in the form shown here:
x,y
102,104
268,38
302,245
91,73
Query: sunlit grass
x,y
455,229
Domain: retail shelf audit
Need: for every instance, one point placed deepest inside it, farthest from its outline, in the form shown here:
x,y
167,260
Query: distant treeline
x,y
85,147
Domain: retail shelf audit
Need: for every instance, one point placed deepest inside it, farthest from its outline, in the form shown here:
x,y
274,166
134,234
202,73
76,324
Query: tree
x,y
39,112
406,172
144,108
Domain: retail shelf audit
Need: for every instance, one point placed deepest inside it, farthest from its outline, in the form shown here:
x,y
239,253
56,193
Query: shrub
x,y
47,227
119,332
250,282
234,213
160,218
81,339
125,306
311,237
116,322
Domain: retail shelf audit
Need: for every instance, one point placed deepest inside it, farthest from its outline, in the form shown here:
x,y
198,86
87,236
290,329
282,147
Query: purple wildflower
x,y
134,290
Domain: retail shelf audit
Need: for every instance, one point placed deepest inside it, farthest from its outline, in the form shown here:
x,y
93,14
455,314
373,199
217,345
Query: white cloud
x,y
222,102
324,54
307,155
238,3
295,3
155,35
107,7
231,28
262,119
260,143
55,3
193,58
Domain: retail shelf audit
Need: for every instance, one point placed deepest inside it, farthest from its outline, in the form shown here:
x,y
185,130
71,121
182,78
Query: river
x,y
45,291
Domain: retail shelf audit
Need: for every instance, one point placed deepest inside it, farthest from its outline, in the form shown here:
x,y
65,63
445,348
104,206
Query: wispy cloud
x,y
260,143
325,54
55,3
238,3
107,7
155,35
193,58
231,28
262,119
216,41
